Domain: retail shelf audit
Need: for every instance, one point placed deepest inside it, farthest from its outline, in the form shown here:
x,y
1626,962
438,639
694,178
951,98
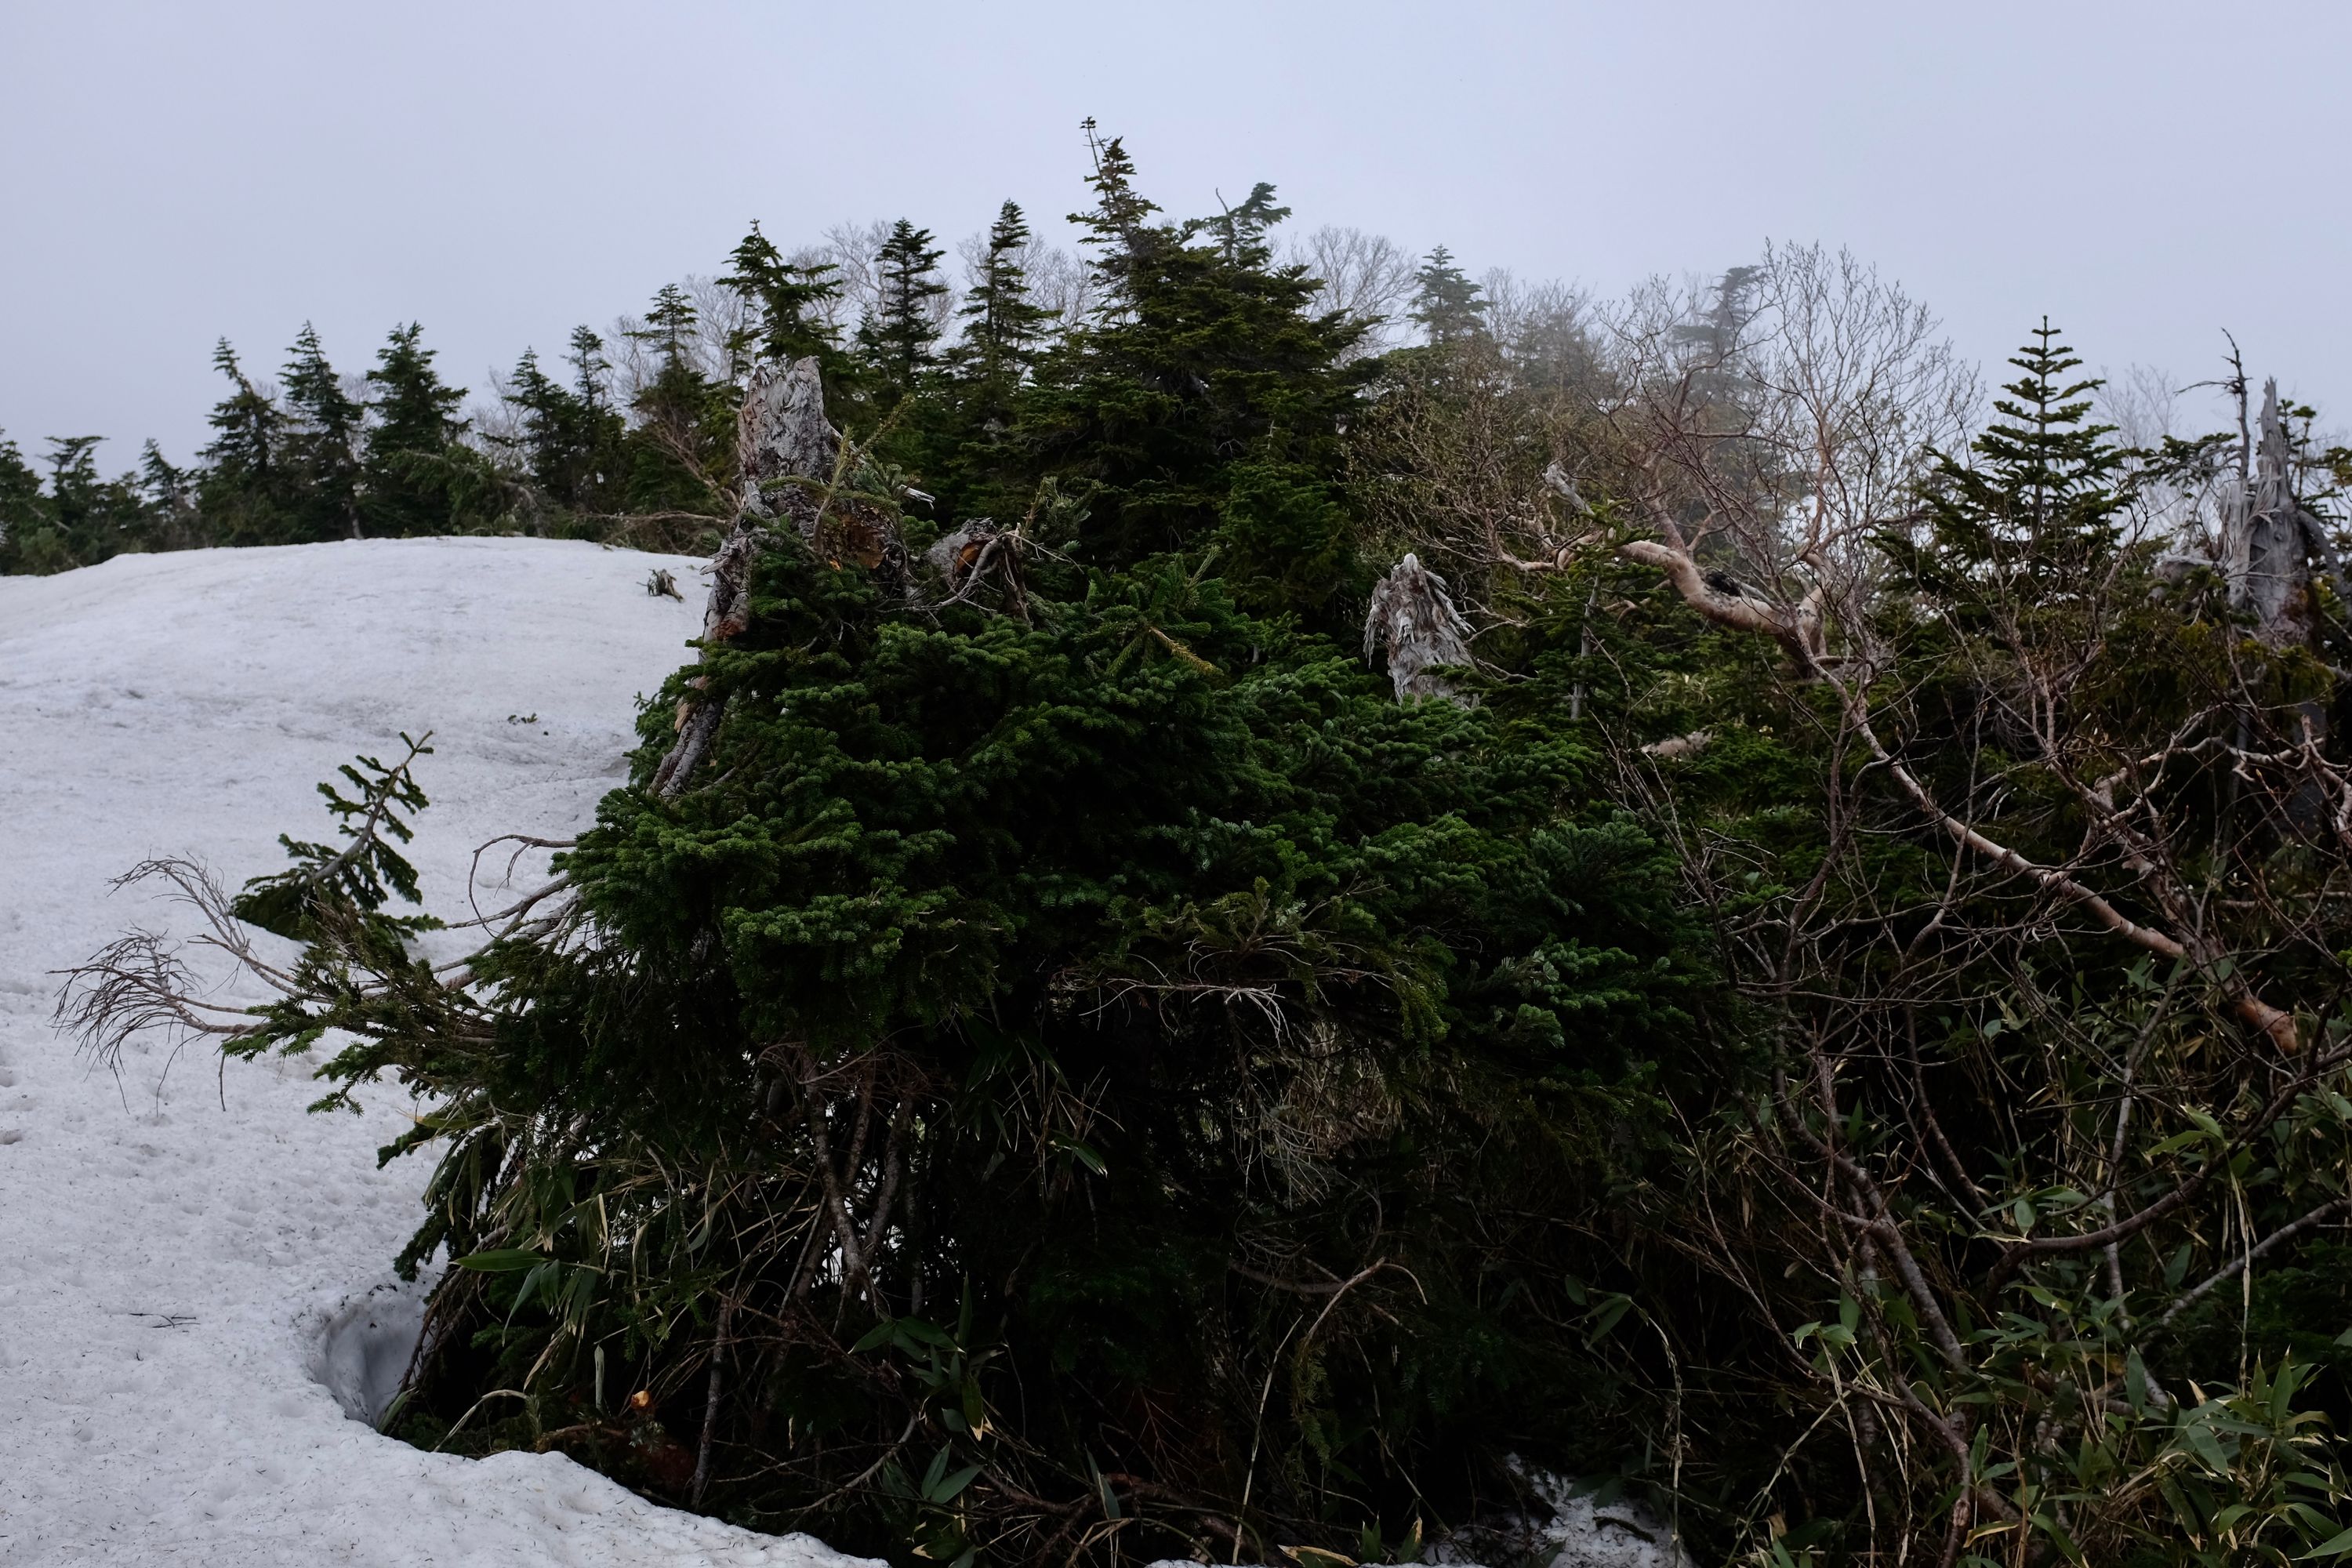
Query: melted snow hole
x,y
365,1348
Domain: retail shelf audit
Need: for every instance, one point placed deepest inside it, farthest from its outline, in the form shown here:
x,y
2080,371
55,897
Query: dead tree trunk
x,y
1412,613
786,452
2268,541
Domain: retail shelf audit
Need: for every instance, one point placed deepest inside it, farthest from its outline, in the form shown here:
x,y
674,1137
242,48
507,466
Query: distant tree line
x,y
628,437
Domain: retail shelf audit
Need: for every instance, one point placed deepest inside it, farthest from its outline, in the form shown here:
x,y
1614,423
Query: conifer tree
x,y
1445,303
1115,969
2039,505
788,297
83,517
589,367
169,493
1243,228
1003,328
1204,405
568,438
244,491
681,449
413,461
898,339
1118,224
29,537
321,445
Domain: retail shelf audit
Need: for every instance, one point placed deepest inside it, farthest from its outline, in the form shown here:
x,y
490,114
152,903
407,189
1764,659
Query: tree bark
x,y
786,453
1412,613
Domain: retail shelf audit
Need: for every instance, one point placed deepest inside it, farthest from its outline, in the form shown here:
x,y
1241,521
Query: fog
x,y
2147,173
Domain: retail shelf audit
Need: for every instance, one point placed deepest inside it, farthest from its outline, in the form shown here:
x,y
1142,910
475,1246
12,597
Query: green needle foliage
x,y
1844,1031
1227,1051
1079,1070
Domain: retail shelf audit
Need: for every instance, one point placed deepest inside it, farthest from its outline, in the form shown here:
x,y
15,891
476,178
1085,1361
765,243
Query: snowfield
x,y
197,1313
185,1257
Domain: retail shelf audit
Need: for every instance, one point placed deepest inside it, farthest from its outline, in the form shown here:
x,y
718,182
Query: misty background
x,y
2148,173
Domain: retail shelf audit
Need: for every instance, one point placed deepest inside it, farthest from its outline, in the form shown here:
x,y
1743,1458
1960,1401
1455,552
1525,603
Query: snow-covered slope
x,y
174,1248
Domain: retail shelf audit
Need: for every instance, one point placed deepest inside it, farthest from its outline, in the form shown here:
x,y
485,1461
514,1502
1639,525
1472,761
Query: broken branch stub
x,y
786,451
1412,613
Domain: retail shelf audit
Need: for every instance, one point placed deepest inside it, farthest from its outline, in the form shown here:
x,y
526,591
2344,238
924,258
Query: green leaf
x,y
502,1260
2208,1448
1606,1316
2334,1546
948,1488
915,1332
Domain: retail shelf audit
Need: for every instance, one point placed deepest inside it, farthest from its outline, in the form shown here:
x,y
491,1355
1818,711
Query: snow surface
x,y
197,1314
193,1298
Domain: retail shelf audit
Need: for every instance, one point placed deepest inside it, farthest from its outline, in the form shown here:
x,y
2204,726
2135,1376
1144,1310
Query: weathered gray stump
x,y
1413,615
787,453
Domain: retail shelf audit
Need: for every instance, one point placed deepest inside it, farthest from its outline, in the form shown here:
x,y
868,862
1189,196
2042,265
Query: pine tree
x,y
415,468
898,339
244,493
319,449
1445,303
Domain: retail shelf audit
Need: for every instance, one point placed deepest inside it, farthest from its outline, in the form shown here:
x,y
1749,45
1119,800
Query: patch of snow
x,y
194,1289
1585,1532
364,1348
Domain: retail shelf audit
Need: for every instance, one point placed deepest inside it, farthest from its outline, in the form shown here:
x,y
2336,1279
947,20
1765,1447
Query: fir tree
x,y
1445,303
1242,229
169,492
244,491
589,368
321,445
2038,506
1003,329
85,518
29,542
899,338
569,439
1204,409
682,448
788,297
1119,225
1119,964
415,468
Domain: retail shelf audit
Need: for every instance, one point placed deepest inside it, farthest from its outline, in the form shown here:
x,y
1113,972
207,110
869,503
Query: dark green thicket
x,y
1078,1066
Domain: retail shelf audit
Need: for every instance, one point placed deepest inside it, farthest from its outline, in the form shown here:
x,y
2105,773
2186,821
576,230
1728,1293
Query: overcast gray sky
x,y
2147,172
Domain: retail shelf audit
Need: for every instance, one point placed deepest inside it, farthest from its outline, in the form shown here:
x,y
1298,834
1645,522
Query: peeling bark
x,y
1796,627
2267,538
1412,613
787,453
